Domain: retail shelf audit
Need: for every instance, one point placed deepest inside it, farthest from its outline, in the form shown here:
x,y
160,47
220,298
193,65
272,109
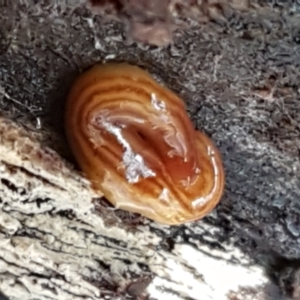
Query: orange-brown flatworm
x,y
133,139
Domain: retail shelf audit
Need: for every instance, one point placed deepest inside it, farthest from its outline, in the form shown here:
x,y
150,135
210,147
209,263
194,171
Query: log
x,y
55,244
238,72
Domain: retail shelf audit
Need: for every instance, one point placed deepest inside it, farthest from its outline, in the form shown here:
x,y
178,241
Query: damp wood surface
x,y
237,71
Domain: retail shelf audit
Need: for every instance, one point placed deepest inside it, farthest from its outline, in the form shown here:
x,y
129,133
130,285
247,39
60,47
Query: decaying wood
x,y
236,64
54,244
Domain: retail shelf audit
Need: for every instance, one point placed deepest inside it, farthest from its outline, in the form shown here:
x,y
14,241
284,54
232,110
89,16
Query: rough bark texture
x,y
239,75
